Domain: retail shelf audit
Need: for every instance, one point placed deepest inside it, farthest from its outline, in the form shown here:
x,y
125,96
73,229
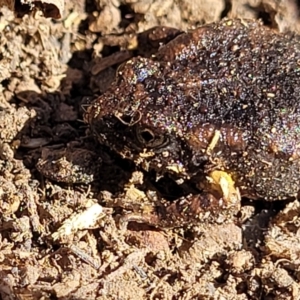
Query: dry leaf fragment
x,y
84,220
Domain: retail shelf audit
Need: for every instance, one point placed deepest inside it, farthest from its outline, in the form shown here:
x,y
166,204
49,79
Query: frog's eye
x,y
149,139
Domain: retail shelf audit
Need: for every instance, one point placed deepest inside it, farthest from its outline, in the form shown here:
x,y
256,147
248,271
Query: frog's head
x,y
138,118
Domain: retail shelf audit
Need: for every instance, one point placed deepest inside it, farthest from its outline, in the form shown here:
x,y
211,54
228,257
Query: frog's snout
x,y
129,119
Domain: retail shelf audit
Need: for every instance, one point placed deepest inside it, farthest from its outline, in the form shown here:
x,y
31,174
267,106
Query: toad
x,y
218,106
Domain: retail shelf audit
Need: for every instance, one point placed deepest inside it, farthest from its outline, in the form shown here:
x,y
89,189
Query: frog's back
x,y
240,72
226,93
242,79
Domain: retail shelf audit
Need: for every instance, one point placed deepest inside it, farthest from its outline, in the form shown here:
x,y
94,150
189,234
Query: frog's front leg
x,y
218,202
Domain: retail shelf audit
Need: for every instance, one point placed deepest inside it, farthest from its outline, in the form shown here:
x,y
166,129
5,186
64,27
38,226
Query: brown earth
x,y
62,241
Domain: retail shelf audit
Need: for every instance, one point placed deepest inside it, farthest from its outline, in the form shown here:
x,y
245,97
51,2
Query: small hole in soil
x,y
127,14
5,82
226,9
265,17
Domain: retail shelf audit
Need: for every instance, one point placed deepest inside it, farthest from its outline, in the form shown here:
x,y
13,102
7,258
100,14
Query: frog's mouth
x,y
147,146
132,133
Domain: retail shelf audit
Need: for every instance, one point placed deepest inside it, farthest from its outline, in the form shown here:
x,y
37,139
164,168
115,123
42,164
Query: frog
x,y
217,106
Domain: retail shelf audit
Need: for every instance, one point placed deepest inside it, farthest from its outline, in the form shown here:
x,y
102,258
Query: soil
x,y
63,240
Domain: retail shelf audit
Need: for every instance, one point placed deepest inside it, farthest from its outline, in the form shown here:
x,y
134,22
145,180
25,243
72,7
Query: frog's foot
x,y
218,203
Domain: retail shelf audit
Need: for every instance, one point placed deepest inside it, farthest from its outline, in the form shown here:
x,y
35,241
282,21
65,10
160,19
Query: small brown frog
x,y
219,106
